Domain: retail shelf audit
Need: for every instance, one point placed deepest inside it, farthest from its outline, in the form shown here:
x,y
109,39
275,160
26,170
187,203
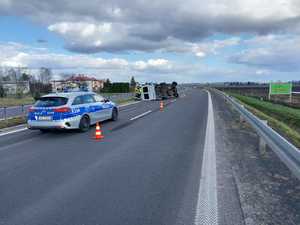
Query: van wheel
x,y
114,115
84,124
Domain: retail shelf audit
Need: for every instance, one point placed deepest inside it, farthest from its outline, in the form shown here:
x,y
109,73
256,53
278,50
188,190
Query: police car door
x,y
105,105
91,107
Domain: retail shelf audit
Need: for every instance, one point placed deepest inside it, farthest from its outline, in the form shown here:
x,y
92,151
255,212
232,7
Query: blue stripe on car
x,y
74,112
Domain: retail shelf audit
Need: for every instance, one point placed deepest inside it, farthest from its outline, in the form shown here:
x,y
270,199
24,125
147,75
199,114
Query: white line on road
x,y
13,131
207,203
141,115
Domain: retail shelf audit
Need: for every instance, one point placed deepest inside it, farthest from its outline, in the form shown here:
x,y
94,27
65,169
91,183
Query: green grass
x,y
288,115
283,119
124,101
12,101
12,122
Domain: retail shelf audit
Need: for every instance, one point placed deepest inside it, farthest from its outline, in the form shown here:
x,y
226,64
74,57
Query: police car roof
x,y
67,94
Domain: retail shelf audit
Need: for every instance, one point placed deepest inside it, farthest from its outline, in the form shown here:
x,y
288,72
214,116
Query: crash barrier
x,y
13,111
286,151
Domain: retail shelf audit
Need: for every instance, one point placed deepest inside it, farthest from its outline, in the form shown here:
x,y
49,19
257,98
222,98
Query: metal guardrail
x,y
287,152
13,111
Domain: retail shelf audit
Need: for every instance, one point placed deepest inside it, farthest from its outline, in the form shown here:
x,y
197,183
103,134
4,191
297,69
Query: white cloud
x,y
200,54
169,26
213,47
271,52
19,55
120,25
262,72
153,64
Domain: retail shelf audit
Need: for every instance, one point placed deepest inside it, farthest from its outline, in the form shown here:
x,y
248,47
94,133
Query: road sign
x,y
280,88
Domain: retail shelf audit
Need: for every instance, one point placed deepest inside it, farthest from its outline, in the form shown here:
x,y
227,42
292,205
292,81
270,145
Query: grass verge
x,y
283,119
288,115
12,122
125,101
11,101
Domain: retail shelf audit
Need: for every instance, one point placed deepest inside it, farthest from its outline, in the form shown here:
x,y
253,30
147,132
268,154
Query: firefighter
x,y
138,92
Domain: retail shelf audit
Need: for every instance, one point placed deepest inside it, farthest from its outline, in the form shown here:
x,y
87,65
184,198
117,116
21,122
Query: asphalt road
x,y
145,171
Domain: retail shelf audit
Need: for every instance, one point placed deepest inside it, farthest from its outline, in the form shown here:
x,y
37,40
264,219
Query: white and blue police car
x,y
70,110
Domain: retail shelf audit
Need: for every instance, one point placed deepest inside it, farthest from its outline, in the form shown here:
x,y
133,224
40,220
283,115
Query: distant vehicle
x,y
157,91
70,110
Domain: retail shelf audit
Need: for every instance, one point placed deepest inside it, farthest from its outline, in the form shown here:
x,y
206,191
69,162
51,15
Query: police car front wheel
x,y
114,115
84,124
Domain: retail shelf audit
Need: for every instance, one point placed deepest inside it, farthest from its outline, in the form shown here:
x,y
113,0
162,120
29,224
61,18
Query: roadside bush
x,y
116,88
36,95
19,94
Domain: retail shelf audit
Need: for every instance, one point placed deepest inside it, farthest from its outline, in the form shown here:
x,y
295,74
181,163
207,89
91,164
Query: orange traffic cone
x,y
98,133
161,105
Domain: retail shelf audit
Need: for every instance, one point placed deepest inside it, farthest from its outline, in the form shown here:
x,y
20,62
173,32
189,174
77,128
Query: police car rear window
x,y
51,102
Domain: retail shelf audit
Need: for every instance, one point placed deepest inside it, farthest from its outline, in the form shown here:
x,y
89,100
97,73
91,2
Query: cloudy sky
x,y
157,40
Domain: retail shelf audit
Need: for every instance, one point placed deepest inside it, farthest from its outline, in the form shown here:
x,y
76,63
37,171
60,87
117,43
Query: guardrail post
x,y
4,108
262,146
262,143
242,119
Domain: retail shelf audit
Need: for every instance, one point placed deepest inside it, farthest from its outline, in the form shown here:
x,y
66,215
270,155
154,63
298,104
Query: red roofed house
x,y
76,81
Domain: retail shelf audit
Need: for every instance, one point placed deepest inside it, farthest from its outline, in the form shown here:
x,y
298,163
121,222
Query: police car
x,y
73,110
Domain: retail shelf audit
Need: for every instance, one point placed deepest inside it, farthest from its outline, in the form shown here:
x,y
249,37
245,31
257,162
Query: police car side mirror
x,y
105,100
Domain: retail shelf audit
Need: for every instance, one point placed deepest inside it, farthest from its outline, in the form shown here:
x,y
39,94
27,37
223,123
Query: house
x,y
12,88
78,81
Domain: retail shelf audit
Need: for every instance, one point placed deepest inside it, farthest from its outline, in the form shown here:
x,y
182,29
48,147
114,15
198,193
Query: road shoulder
x,y
268,193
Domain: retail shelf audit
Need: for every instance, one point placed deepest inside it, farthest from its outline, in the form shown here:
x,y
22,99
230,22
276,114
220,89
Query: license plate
x,y
45,118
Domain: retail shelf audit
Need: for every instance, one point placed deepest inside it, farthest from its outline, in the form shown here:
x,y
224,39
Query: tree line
x,y
38,83
119,87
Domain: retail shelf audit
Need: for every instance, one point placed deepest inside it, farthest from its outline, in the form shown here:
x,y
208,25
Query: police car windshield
x,y
51,102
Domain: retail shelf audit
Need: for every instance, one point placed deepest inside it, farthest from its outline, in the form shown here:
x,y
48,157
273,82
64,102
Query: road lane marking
x,y
13,131
207,204
140,115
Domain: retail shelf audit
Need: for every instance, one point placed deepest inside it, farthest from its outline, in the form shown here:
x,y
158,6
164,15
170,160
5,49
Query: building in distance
x,y
78,82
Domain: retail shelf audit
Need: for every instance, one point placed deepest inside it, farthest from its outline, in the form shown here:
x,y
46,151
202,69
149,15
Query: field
x,y
13,101
284,119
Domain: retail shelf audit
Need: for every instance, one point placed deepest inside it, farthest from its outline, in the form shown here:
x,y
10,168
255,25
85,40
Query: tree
x,y
2,91
107,83
45,75
132,82
25,77
6,78
12,75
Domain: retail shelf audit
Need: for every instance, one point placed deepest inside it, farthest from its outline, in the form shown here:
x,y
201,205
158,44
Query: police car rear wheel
x,y
84,124
44,130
